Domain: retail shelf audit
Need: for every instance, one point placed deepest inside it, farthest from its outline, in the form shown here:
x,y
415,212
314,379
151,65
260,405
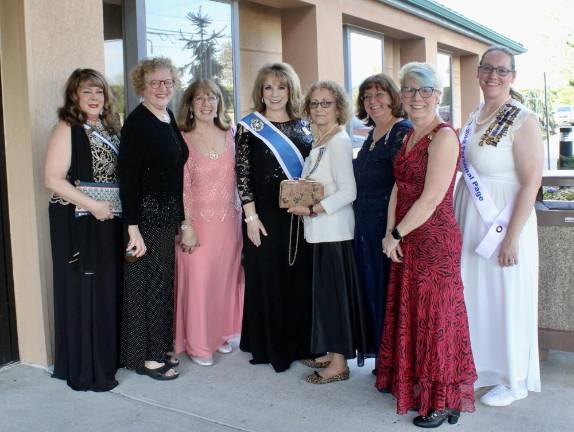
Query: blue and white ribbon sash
x,y
286,153
496,221
103,139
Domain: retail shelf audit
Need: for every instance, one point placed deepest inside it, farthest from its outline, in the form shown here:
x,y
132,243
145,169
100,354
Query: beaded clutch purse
x,y
300,193
100,192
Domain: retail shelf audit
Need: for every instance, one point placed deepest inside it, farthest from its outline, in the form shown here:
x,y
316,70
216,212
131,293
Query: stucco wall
x,y
42,42
259,43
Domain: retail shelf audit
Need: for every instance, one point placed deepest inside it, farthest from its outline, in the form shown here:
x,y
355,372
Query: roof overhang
x,y
447,18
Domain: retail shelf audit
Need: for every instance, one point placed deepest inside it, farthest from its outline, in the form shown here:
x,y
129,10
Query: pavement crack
x,y
180,411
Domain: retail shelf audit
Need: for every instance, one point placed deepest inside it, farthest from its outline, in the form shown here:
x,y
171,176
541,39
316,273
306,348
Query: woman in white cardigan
x,y
339,327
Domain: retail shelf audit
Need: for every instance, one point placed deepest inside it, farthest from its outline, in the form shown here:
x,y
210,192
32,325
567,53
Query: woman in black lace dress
x,y
151,162
276,316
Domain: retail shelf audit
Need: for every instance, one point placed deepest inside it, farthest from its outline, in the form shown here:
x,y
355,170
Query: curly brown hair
x,y
384,83
285,73
71,113
149,65
185,122
342,103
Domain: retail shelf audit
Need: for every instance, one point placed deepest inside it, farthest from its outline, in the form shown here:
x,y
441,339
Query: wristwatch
x,y
396,234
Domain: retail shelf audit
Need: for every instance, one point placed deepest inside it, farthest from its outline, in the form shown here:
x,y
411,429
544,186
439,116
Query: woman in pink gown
x,y
209,277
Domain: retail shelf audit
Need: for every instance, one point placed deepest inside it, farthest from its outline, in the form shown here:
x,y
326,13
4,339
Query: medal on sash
x,y
286,153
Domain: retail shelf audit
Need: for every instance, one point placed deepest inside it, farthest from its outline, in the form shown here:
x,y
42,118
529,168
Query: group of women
x,y
378,268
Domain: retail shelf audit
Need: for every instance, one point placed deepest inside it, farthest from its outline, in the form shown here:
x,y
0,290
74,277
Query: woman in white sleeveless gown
x,y
504,145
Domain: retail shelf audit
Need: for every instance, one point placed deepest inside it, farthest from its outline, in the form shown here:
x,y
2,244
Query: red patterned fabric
x,y
425,358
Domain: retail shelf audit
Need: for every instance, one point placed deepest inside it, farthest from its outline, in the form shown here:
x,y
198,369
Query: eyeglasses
x,y
410,92
202,99
324,104
155,84
500,71
370,97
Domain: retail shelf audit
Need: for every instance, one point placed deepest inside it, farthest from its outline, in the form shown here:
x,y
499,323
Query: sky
x,y
542,26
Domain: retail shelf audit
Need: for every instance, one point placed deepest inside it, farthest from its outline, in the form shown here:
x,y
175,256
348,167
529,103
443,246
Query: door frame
x,y
8,334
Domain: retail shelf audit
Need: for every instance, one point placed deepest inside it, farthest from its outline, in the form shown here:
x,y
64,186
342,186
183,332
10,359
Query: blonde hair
x,y
342,103
187,123
71,113
285,73
149,65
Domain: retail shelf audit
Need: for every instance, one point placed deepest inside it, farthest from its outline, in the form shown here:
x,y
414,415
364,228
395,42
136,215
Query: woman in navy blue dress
x,y
378,105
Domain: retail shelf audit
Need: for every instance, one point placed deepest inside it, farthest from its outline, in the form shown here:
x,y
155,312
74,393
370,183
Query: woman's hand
x,y
392,248
508,255
299,211
254,227
136,241
101,210
188,240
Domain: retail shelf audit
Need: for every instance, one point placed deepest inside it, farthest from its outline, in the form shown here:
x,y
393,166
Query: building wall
x,y
41,44
260,42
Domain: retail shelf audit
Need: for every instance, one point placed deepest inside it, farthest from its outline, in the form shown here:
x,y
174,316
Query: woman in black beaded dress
x,y
151,162
378,105
277,308
86,250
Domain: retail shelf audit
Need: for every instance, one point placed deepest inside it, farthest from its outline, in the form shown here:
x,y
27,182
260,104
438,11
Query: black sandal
x,y
159,373
171,360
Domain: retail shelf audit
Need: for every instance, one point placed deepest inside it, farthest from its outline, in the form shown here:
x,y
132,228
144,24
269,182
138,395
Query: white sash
x,y
496,221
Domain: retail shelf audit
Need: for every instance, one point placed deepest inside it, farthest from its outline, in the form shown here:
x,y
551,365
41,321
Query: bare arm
x,y
443,154
441,165
392,209
528,153
58,161
189,240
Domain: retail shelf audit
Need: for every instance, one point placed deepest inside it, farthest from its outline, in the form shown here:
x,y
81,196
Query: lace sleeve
x,y
243,165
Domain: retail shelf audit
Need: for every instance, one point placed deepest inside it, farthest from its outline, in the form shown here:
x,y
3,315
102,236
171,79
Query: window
x,y
197,35
114,54
363,58
444,70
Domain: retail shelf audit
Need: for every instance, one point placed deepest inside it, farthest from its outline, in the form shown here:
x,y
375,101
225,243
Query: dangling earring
x,y
191,114
262,100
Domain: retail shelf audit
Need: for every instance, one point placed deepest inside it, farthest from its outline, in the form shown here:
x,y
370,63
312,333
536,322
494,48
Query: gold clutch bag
x,y
300,193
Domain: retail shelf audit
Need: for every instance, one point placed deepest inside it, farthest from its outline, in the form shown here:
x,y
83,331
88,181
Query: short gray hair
x,y
423,73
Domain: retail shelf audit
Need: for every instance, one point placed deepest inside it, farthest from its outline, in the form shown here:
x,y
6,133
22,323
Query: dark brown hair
x,y
342,103
71,113
385,83
514,94
285,73
187,123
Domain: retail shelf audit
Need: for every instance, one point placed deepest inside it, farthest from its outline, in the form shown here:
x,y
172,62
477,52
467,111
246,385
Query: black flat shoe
x,y
159,373
436,418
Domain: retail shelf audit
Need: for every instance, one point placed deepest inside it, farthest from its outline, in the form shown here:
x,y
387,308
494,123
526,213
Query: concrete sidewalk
x,y
236,396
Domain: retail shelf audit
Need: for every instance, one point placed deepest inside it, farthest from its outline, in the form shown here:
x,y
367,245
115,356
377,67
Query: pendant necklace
x,y
164,117
386,135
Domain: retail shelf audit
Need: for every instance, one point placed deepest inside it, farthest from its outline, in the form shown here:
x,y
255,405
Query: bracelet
x,y
185,227
396,234
251,218
311,212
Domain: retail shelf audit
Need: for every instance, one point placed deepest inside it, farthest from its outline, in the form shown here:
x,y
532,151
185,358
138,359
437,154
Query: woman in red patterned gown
x,y
425,358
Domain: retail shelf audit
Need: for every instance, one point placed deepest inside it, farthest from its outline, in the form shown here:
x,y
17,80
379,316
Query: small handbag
x,y
100,192
302,192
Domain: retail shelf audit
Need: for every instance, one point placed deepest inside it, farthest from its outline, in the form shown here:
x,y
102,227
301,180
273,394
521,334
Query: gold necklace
x,y
321,138
492,114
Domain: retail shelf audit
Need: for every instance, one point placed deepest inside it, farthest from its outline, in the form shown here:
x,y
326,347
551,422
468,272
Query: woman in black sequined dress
x,y
151,162
277,309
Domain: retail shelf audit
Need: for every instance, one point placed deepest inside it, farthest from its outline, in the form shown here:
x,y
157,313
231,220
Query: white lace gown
x,y
502,302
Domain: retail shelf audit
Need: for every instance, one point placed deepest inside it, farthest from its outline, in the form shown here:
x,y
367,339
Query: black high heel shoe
x,y
436,418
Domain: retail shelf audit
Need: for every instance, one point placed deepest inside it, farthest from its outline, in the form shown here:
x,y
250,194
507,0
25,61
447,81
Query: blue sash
x,y
286,153
110,144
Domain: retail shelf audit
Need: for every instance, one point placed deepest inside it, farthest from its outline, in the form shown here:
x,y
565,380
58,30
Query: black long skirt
x,y
147,326
86,306
277,307
340,320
